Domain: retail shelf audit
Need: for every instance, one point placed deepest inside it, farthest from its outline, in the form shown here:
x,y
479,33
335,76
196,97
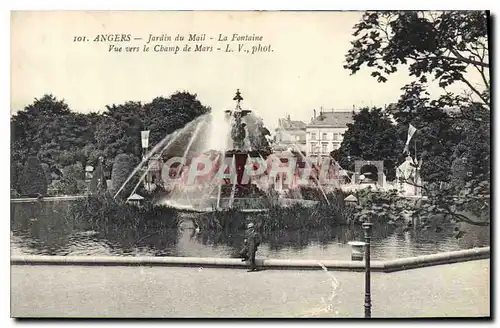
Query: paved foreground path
x,y
461,289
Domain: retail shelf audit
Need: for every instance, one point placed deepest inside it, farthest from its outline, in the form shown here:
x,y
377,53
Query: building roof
x,y
288,124
334,119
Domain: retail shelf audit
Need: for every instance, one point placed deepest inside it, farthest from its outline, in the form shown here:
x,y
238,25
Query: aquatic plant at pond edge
x,y
102,211
325,214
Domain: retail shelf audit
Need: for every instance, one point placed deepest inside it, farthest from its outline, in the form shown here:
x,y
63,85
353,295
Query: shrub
x,y
33,181
55,188
72,174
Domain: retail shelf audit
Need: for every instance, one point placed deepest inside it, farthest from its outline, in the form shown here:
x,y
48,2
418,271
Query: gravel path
x,y
461,289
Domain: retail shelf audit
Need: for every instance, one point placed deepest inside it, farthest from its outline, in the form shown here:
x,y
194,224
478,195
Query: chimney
x,y
314,113
289,117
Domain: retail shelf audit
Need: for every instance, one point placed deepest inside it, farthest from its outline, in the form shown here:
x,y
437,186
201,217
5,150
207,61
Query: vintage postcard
x,y
250,164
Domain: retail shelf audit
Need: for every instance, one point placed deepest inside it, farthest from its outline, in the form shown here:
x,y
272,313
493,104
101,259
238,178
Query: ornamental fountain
x,y
205,166
229,151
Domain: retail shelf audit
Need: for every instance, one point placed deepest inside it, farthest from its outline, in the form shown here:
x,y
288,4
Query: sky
x,y
303,72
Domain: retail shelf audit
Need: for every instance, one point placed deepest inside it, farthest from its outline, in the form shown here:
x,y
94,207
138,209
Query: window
x,y
335,136
323,148
324,136
313,136
297,138
313,147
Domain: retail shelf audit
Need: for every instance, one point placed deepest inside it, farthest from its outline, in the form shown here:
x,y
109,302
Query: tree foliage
x,y
60,138
438,45
381,207
371,136
120,131
180,109
453,129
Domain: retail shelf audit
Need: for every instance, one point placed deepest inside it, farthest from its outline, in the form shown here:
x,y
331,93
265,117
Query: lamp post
x,y
356,246
367,226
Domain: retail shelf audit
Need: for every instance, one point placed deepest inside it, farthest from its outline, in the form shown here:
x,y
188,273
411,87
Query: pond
x,y
40,228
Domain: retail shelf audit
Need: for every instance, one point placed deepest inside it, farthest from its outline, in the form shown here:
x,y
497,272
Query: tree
x,y
33,181
472,155
444,47
123,165
37,124
163,116
60,138
371,136
436,136
120,131
49,130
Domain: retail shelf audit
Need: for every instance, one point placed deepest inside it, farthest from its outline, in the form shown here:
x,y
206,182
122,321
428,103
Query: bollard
x,y
357,250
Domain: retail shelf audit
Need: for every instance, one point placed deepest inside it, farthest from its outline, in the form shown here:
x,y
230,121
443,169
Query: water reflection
x,y
44,228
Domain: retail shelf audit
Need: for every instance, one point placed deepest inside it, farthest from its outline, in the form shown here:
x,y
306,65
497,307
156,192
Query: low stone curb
x,y
437,259
276,264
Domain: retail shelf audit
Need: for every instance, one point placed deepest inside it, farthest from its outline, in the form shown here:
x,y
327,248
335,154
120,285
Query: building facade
x,y
290,135
326,131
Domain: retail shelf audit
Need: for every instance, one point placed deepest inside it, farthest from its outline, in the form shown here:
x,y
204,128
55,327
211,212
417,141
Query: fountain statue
x,y
238,133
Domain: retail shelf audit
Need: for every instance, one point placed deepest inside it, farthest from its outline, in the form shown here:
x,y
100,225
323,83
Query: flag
x,y
411,131
144,139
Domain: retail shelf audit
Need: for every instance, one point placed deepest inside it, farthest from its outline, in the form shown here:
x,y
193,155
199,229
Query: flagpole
x,y
415,140
416,168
